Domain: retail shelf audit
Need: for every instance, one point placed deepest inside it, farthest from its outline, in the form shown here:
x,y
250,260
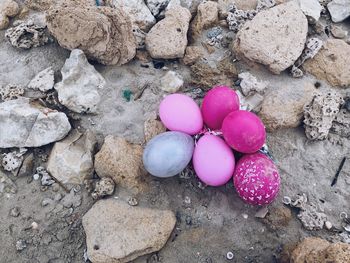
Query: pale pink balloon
x,y
213,160
181,113
244,131
217,104
256,179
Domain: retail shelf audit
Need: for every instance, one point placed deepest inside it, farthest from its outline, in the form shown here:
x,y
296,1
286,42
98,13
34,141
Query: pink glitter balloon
x,y
256,179
217,104
244,131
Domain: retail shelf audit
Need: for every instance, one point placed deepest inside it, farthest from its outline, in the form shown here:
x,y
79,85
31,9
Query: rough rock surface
x,y
103,187
71,160
341,124
122,161
193,53
11,92
43,81
24,125
284,107
8,8
311,8
80,85
339,10
117,232
43,5
274,37
244,5
168,38
152,128
331,63
207,15
171,82
104,33
250,85
157,6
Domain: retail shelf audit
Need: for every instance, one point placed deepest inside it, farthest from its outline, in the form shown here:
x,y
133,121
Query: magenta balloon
x,y
217,104
181,113
244,131
256,179
213,160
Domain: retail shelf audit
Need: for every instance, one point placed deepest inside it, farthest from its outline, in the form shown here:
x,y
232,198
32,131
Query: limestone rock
x,y
118,232
43,81
157,6
71,160
193,53
311,8
152,128
103,33
171,82
122,161
11,92
207,16
80,85
284,107
331,63
274,37
168,38
339,10
25,125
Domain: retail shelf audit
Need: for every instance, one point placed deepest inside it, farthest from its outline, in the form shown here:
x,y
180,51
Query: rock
x,y
104,187
43,81
320,113
312,9
117,232
289,26
8,8
284,107
122,161
137,10
157,6
331,63
22,124
250,85
13,160
193,54
46,179
6,184
72,199
103,33
15,212
152,128
339,10
341,124
44,5
207,15
245,5
71,160
11,92
237,18
20,245
27,35
250,103
278,217
171,82
4,22
80,85
168,38
338,32
27,166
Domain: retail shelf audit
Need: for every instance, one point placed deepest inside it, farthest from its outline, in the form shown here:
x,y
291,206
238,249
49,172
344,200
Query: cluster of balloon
x,y
256,177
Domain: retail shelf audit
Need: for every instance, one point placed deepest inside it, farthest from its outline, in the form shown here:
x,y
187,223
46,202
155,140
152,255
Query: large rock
x,y
207,16
80,85
71,160
339,10
168,38
284,107
43,5
122,161
23,124
274,37
103,33
118,233
331,63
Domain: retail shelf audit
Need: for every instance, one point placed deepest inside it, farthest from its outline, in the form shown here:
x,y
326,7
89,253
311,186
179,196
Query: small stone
x,y
133,201
104,187
278,217
262,212
312,9
34,225
9,8
250,85
193,54
152,128
43,81
171,82
338,32
27,166
11,92
72,199
328,225
46,179
20,245
339,10
14,212
13,160
207,15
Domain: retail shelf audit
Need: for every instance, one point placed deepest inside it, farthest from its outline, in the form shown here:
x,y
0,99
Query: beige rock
x,y
278,217
168,38
193,53
284,107
117,232
122,161
207,15
104,34
338,32
240,4
9,8
274,37
171,82
331,63
43,5
4,22
152,128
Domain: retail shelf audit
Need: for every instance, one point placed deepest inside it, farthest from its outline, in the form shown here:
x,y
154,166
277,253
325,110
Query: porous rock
x,y
339,10
274,37
13,160
244,5
152,128
284,107
11,92
71,160
80,85
43,5
331,63
23,124
207,15
103,187
341,124
168,38
118,232
171,82
103,33
122,161
43,81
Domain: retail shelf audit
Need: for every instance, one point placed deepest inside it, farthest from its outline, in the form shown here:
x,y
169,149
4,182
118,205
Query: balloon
x,y
217,104
213,160
256,179
168,154
244,131
179,112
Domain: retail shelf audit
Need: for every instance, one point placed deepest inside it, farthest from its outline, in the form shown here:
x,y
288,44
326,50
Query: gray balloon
x,y
168,153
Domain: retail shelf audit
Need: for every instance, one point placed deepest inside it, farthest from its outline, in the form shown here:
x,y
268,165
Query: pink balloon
x,y
256,179
217,104
213,160
181,113
244,131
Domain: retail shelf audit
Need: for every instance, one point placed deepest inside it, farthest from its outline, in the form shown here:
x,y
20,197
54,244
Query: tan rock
x,y
4,22
278,217
118,233
193,53
240,4
9,8
122,161
43,5
331,63
207,15
152,128
168,38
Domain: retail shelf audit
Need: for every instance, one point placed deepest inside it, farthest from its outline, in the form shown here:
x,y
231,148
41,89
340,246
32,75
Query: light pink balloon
x,y
244,131
213,160
181,113
256,179
217,104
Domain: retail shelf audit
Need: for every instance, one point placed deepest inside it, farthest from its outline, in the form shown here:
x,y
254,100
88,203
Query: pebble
x,y
328,225
245,216
133,201
34,225
15,212
20,245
